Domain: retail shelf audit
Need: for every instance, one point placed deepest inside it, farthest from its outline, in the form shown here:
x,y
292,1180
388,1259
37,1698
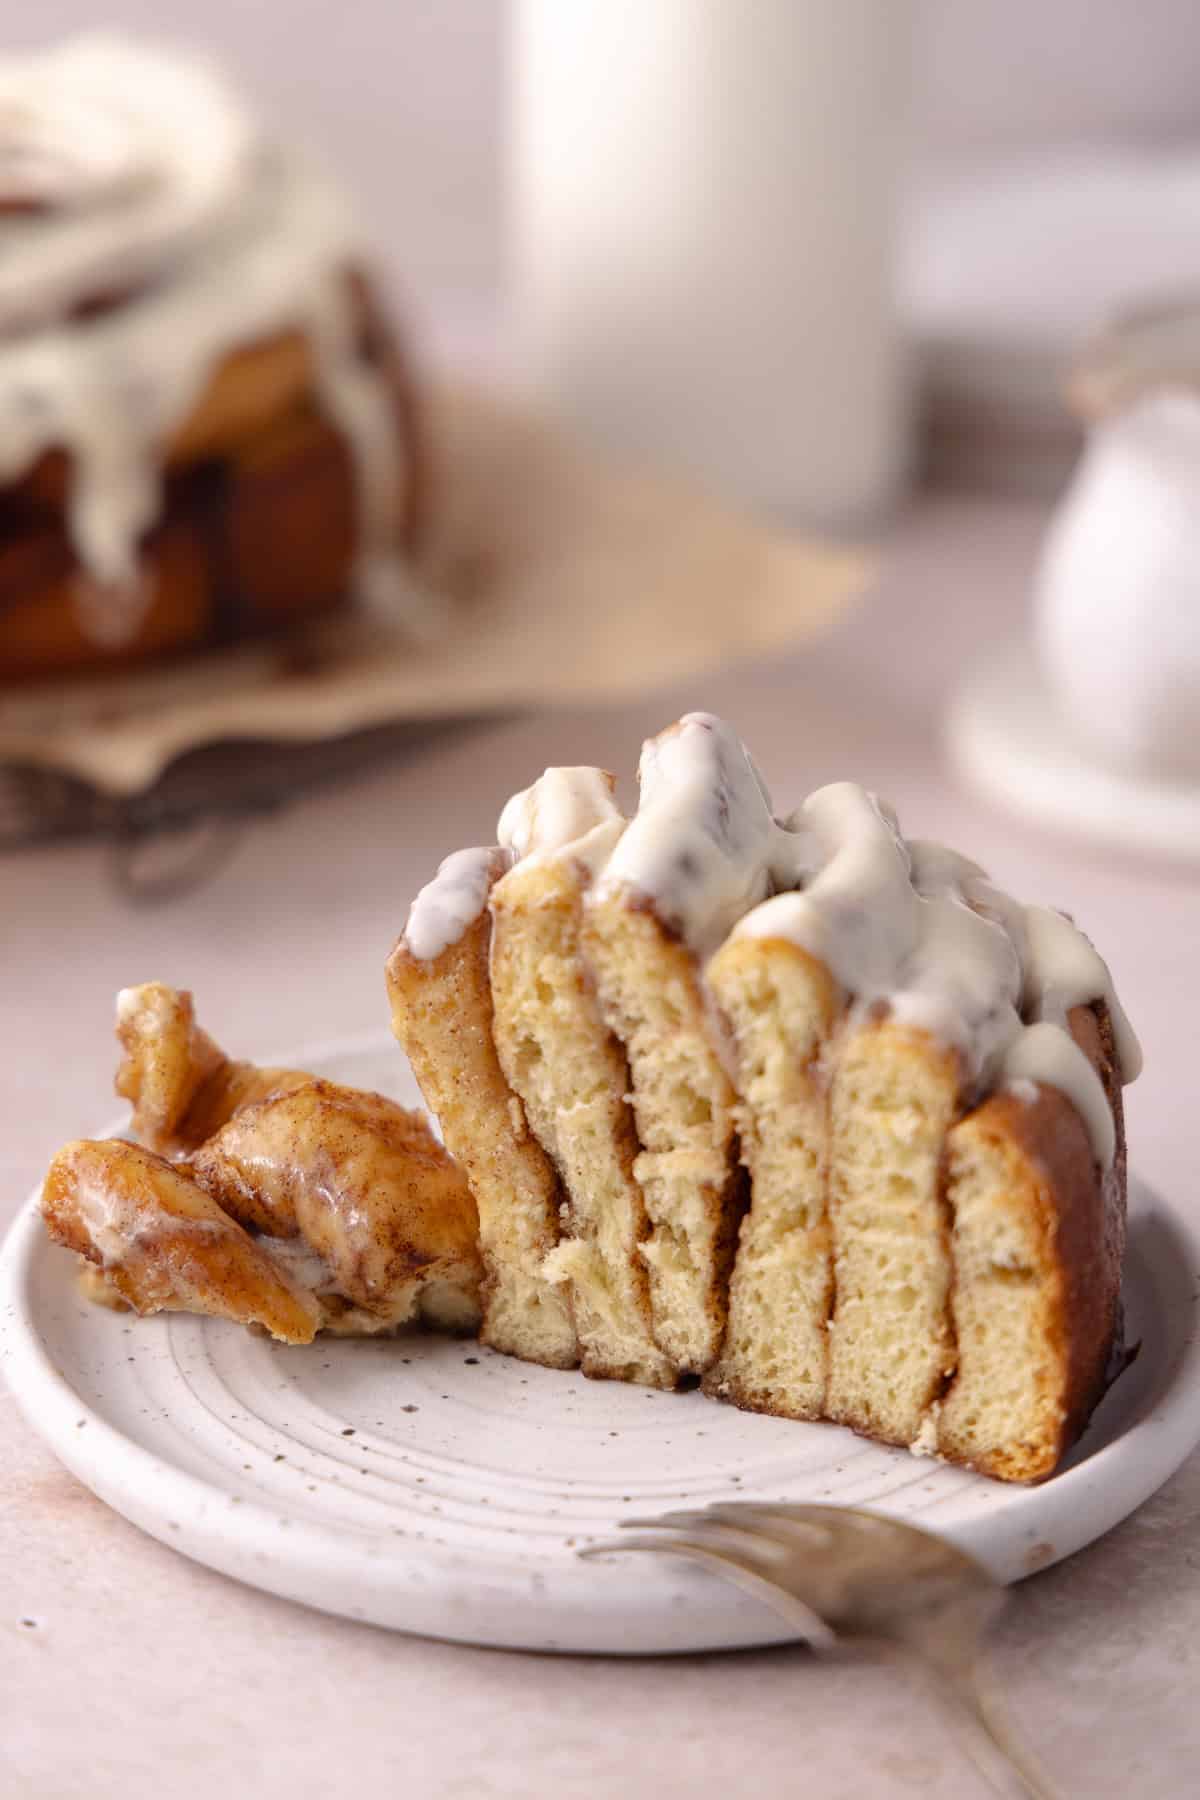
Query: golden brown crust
x,y
249,388
1074,1215
164,1244
1090,1212
442,1016
363,1182
181,1087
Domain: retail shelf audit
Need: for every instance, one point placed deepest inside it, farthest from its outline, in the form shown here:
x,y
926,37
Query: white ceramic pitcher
x,y
1118,594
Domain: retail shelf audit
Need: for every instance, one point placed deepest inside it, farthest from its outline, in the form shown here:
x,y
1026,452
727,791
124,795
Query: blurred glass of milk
x,y
704,195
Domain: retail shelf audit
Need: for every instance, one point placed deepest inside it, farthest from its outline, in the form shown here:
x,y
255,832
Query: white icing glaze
x,y
244,241
118,1215
130,153
567,812
921,928
304,1267
449,905
891,921
853,904
1064,970
1045,1053
704,846
907,923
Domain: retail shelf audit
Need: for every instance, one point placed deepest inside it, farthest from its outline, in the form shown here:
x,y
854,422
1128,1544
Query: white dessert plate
x,y
427,1485
1006,738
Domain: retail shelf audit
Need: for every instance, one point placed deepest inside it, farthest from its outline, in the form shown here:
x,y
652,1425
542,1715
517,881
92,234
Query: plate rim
x,y
1107,1485
994,749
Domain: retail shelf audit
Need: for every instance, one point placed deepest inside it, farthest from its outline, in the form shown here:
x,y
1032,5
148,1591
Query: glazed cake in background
x,y
207,432
801,1107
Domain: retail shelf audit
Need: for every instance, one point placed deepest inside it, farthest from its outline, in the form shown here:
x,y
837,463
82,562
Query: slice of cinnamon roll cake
x,y
797,1106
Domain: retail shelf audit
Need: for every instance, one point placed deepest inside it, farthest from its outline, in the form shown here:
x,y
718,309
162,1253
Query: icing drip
x,y
567,811
961,981
1046,1054
703,847
244,240
362,407
1064,970
449,905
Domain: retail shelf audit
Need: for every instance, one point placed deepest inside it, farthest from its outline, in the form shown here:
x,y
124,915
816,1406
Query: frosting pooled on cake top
x,y
920,928
141,190
566,812
703,847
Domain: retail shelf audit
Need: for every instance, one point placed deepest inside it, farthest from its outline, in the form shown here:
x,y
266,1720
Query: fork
x,y
843,1576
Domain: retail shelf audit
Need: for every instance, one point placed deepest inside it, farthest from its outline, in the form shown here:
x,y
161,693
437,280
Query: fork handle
x,y
963,1681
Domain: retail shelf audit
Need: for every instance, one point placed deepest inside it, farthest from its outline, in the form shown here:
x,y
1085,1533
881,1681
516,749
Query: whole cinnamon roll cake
x,y
207,429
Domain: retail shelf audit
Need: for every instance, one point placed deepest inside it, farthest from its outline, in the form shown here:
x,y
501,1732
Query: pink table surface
x,y
143,1673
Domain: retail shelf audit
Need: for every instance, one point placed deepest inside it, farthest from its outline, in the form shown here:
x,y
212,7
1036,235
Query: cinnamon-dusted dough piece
x,y
567,1067
181,1086
441,1005
356,1182
348,1194
164,1245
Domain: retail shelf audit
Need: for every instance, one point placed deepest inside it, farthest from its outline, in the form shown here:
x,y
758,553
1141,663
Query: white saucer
x,y
1006,738
430,1486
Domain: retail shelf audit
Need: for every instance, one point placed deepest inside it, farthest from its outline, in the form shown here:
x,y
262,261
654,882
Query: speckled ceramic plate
x,y
431,1486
